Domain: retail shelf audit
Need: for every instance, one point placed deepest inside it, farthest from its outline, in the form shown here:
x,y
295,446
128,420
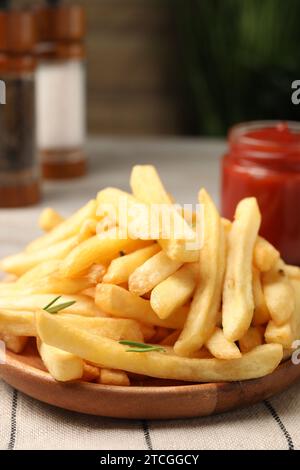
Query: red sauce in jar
x,y
264,161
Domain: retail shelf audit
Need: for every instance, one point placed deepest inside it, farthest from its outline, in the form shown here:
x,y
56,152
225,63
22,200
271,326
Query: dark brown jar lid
x,y
17,31
61,23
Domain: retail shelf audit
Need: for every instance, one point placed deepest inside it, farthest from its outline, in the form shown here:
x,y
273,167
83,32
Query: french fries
x,y
238,302
113,328
282,334
121,268
18,323
117,301
22,262
205,306
112,355
261,314
67,229
113,377
126,212
220,347
174,292
62,365
37,273
49,219
171,339
279,295
253,338
148,188
53,284
90,373
15,344
265,255
286,333
116,291
293,272
83,305
100,249
155,270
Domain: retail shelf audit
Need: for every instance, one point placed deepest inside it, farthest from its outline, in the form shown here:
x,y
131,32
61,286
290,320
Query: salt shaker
x,y
19,168
61,90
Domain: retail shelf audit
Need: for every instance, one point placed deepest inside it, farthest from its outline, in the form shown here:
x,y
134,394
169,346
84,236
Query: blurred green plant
x,y
239,60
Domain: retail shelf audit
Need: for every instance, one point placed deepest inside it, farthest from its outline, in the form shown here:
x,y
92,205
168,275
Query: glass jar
x,y
61,100
19,167
263,160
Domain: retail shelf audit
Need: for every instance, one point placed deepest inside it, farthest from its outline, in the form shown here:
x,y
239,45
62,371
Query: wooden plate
x,y
145,399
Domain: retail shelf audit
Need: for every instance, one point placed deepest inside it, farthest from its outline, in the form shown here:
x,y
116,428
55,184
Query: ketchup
x,y
263,160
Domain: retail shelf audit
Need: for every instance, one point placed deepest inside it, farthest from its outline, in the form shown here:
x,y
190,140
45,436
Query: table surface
x,y
184,165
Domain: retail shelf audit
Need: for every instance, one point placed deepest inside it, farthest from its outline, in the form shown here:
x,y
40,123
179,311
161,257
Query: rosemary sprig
x,y
51,308
141,347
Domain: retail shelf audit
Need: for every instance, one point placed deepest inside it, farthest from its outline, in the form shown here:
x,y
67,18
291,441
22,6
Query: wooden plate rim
x,y
132,389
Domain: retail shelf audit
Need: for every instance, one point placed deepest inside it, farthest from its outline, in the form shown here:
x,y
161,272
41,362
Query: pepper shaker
x,y
19,167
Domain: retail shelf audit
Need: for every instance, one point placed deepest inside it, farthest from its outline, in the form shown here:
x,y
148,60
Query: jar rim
x,y
239,131
257,148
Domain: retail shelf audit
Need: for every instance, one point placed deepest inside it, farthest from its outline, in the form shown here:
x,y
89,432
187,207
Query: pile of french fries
x,y
160,307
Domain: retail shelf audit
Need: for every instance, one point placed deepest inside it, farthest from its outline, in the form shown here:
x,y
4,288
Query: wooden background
x,y
132,66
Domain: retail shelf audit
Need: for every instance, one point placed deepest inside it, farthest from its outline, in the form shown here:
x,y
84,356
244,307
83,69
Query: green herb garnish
x,y
141,347
51,308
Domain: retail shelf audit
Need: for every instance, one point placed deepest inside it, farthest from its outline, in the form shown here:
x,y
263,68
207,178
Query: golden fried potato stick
x,y
282,334
62,366
238,302
254,337
87,230
49,219
126,212
293,272
112,355
206,303
95,273
119,302
90,373
53,284
286,333
122,267
21,262
99,249
83,305
171,339
261,314
113,377
279,295
220,347
175,291
69,228
113,328
155,270
15,344
38,272
148,330
147,187
18,323
265,255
